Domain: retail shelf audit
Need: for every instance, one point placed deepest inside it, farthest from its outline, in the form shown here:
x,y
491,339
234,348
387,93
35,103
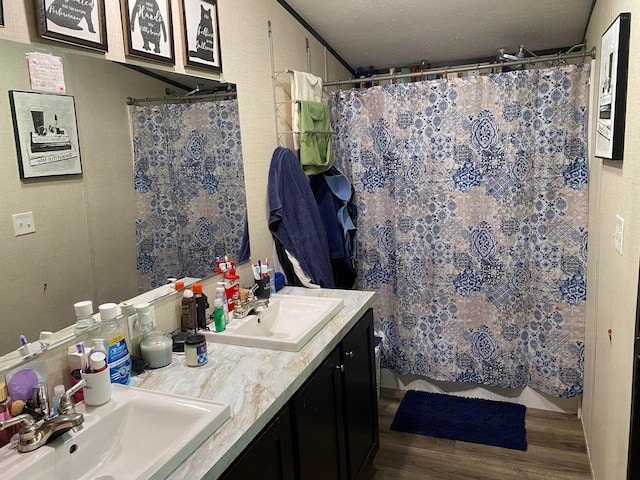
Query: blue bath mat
x,y
467,419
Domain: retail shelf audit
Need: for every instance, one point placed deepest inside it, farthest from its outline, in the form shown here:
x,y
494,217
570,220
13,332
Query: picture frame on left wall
x,y
46,134
148,29
77,22
1,15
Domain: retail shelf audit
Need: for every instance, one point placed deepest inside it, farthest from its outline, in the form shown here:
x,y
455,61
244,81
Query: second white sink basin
x,y
287,324
138,434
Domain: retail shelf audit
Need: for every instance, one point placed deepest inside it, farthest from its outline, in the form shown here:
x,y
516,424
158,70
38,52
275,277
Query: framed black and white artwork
x,y
78,22
46,134
1,15
612,89
201,37
148,30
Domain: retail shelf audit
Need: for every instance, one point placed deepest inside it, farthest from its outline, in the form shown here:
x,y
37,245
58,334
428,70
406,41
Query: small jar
x,y
195,349
156,348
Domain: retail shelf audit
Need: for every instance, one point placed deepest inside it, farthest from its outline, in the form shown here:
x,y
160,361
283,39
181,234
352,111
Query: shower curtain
x,y
472,218
189,186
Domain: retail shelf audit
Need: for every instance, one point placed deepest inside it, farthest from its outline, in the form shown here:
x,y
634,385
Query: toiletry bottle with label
x,y
118,358
232,285
5,414
218,312
188,318
201,306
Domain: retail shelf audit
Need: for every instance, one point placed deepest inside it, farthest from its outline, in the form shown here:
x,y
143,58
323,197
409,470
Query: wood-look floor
x,y
556,450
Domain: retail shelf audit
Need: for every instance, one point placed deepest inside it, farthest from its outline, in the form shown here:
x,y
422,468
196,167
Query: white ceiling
x,y
395,33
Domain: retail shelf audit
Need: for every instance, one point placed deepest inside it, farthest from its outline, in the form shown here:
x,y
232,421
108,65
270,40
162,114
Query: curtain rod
x,y
468,67
182,98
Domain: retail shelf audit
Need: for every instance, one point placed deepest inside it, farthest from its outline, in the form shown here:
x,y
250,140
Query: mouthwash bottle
x,y
118,358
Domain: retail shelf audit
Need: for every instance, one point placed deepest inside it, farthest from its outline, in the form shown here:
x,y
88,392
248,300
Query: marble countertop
x,y
256,383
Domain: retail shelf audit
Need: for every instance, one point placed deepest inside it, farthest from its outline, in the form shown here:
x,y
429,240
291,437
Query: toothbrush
x,y
83,357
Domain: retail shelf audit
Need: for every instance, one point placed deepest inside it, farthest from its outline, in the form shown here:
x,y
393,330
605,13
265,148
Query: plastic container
x,y
118,357
219,319
201,306
5,414
188,317
145,320
195,349
232,287
156,349
58,391
84,316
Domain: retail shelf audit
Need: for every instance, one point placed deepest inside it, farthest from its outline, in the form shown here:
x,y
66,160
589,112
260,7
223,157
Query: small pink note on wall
x,y
46,72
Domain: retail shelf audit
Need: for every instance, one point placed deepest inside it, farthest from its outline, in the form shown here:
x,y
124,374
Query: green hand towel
x,y
316,155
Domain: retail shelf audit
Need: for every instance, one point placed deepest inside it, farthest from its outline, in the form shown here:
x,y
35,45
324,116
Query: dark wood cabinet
x,y
360,397
335,414
329,428
270,455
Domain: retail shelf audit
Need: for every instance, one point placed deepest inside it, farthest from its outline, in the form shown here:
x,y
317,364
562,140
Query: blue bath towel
x,y
294,218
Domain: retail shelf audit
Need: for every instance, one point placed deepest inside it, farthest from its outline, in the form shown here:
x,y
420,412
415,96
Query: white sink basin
x,y
287,324
138,434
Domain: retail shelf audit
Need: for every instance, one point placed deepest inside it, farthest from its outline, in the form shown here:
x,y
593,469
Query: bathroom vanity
x,y
305,414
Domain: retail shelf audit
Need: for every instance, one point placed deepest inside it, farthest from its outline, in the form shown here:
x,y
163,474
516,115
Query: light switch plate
x,y
23,223
618,236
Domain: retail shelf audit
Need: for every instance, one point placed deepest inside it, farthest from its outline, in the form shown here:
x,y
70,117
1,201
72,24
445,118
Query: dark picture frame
x,y
612,89
148,29
1,15
76,22
201,34
46,134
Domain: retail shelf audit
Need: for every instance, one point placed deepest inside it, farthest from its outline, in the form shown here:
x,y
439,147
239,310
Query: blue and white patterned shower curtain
x,y
472,223
189,184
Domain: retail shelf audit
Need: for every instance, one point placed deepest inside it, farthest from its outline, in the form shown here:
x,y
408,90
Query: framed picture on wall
x,y
612,89
148,30
201,38
1,15
46,134
78,22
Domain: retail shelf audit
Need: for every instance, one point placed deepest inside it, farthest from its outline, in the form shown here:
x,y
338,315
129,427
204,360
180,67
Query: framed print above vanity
x,y
147,28
78,22
1,15
201,37
46,134
612,88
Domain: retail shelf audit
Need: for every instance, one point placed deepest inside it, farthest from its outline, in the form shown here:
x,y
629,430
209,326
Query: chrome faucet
x,y
242,309
33,436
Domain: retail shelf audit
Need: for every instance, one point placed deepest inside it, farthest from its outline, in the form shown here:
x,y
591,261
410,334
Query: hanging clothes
x,y
294,219
316,155
304,86
333,194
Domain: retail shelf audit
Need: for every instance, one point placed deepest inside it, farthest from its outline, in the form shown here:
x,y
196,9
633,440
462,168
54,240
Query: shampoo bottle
x,y
118,358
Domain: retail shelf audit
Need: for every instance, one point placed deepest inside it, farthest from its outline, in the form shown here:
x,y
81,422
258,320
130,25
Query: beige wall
x,y
66,210
613,278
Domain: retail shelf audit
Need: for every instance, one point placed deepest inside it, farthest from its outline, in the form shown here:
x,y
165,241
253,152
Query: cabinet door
x,y
319,431
360,397
269,456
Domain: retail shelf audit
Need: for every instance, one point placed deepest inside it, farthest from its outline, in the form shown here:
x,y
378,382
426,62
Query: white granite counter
x,y
256,383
